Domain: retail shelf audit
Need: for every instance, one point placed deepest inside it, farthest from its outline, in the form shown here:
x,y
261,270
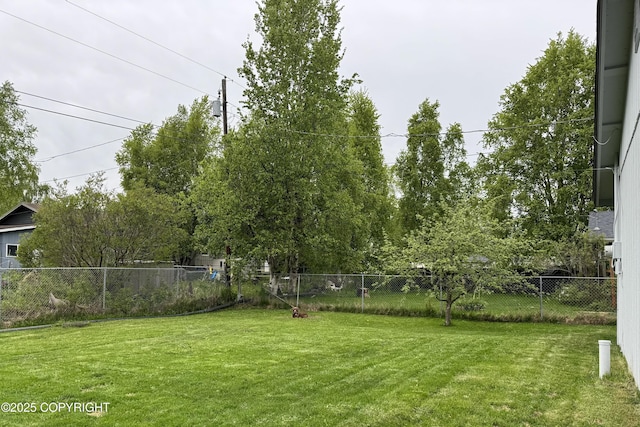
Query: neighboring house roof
x,y
601,223
614,25
19,218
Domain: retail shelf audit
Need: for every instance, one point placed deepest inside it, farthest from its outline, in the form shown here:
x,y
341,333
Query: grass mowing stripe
x,y
257,367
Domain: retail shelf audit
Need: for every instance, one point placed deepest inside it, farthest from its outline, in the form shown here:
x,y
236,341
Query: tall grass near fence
x,y
550,299
36,296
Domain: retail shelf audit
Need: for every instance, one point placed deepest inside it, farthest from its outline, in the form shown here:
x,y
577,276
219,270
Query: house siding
x,y
13,226
12,238
627,225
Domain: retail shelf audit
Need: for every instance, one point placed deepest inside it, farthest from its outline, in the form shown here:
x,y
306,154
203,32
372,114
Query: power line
x,y
79,150
231,103
153,42
526,125
74,116
80,106
298,132
388,135
407,135
87,109
79,175
104,52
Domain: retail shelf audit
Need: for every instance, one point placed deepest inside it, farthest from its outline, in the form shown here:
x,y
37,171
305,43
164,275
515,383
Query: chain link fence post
x,y
177,276
298,291
541,303
362,292
104,289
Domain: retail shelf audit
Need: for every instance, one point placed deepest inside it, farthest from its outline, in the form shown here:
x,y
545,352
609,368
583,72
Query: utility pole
x,y
224,106
216,112
225,129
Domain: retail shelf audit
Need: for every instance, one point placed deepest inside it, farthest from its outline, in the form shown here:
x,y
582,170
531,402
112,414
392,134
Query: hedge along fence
x,y
552,299
36,296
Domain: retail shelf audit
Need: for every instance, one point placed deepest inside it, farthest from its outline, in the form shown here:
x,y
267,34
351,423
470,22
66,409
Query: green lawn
x,y
250,367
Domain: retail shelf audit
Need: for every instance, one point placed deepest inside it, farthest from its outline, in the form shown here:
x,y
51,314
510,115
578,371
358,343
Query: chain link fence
x,y
564,299
36,296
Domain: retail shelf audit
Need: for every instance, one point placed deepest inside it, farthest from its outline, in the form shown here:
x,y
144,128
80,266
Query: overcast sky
x,y
463,53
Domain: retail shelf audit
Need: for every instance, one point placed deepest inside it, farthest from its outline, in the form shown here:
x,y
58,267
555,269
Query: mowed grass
x,y
251,367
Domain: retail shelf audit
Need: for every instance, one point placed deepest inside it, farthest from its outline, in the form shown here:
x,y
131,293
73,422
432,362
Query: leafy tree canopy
x,y
168,160
463,251
287,185
541,143
18,172
433,168
378,206
97,228
581,254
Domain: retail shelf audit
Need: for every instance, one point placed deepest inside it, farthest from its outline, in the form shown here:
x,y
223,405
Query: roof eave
x,y
614,29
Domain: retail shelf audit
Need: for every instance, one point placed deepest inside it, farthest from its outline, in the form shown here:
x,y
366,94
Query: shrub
x,y
594,295
471,304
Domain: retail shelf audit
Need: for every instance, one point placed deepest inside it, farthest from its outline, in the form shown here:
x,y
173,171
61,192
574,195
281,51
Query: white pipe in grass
x,y
605,357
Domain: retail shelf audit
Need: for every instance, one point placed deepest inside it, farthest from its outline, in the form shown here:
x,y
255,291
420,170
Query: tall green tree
x,y
540,141
167,161
432,170
287,187
94,227
18,172
364,137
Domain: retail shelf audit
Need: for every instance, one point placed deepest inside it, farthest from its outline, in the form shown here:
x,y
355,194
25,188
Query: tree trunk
x,y
273,282
447,313
293,274
293,282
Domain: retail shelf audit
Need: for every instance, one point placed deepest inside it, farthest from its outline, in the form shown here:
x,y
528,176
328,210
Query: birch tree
x,y
287,187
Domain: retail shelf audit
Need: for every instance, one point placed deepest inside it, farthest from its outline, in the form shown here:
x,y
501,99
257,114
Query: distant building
x,y
13,225
601,223
617,157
